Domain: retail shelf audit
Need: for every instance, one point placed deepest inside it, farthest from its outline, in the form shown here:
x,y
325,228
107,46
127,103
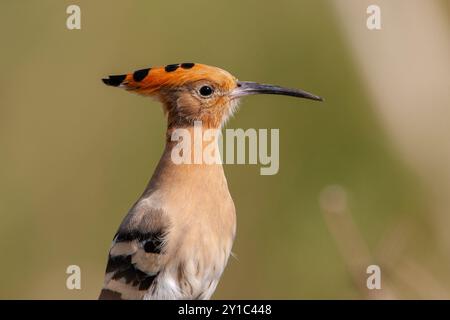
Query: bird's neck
x,y
191,157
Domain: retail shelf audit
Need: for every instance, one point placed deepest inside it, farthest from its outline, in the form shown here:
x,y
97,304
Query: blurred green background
x,y
76,154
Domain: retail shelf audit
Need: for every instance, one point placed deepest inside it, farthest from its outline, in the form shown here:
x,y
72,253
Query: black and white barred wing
x,y
136,257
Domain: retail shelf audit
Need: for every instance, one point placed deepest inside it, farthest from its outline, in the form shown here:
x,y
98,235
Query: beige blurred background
x,y
364,177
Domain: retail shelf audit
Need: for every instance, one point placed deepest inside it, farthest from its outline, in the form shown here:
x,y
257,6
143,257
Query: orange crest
x,y
149,81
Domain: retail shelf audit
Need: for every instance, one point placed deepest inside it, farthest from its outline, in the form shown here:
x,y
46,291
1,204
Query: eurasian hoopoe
x,y
175,241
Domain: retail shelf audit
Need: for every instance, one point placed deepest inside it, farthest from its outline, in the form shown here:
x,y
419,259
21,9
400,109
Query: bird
x,y
175,241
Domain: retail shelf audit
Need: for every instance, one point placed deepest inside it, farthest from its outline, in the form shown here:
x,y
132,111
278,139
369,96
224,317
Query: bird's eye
x,y
206,91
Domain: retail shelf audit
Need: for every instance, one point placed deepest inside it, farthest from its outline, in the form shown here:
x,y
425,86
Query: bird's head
x,y
196,92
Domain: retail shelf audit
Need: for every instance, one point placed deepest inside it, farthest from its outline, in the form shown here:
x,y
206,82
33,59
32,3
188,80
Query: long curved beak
x,y
245,88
